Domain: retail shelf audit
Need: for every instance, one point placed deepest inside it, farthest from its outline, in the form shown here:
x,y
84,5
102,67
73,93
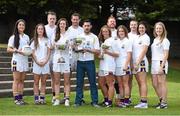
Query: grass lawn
x,y
7,106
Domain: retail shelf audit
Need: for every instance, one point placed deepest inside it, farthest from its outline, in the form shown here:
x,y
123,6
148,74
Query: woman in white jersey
x,y
19,62
123,64
61,60
107,65
41,55
140,63
159,69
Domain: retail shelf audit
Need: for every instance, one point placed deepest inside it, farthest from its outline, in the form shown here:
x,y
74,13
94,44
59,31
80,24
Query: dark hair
x,y
87,21
51,13
100,36
16,33
35,38
145,25
58,31
75,14
124,28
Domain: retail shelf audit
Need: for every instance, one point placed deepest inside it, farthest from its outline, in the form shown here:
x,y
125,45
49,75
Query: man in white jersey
x,y
50,30
73,31
85,64
111,23
132,35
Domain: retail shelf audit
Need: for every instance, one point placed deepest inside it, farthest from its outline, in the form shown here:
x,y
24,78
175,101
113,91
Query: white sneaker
x,y
56,102
53,100
66,102
141,105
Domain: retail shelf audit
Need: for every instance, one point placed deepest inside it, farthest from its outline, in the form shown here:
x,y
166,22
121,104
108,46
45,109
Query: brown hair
x,y
58,31
75,14
100,36
35,38
124,28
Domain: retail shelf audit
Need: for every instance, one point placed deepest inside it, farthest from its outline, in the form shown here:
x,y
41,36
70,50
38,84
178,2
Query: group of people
x,y
59,49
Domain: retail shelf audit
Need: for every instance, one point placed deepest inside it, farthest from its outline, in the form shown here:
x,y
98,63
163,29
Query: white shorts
x,y
103,73
156,66
143,67
20,66
41,70
120,72
62,68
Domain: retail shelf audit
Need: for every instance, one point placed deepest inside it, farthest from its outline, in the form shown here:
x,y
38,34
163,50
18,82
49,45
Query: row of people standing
x,y
115,60
125,55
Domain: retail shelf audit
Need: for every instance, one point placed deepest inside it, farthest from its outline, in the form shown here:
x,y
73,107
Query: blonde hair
x,y
100,36
164,34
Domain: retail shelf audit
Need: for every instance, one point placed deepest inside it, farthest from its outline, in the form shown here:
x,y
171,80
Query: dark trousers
x,y
89,67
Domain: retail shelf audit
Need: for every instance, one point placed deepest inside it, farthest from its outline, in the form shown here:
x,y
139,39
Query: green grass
x,y
7,106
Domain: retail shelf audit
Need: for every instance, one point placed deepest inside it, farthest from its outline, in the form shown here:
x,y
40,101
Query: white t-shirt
x,y
138,45
157,48
24,40
113,33
131,37
123,47
42,49
61,53
50,31
74,32
90,41
108,62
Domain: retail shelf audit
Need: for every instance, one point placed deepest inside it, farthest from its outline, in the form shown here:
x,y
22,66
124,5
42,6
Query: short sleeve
x,y
166,44
32,45
129,46
146,41
11,41
96,43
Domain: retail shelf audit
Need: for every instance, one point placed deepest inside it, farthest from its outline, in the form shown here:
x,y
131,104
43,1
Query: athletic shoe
x,y
17,102
66,102
23,102
56,102
141,105
107,105
42,101
162,106
122,105
36,102
95,105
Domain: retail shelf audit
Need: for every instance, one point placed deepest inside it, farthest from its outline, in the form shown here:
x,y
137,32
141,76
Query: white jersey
x,y
41,55
74,32
113,33
158,47
61,53
108,62
138,45
24,40
19,60
50,31
131,37
123,47
90,41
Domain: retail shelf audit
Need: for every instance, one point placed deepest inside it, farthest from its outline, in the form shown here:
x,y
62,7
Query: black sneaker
x,y
162,106
17,102
83,102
